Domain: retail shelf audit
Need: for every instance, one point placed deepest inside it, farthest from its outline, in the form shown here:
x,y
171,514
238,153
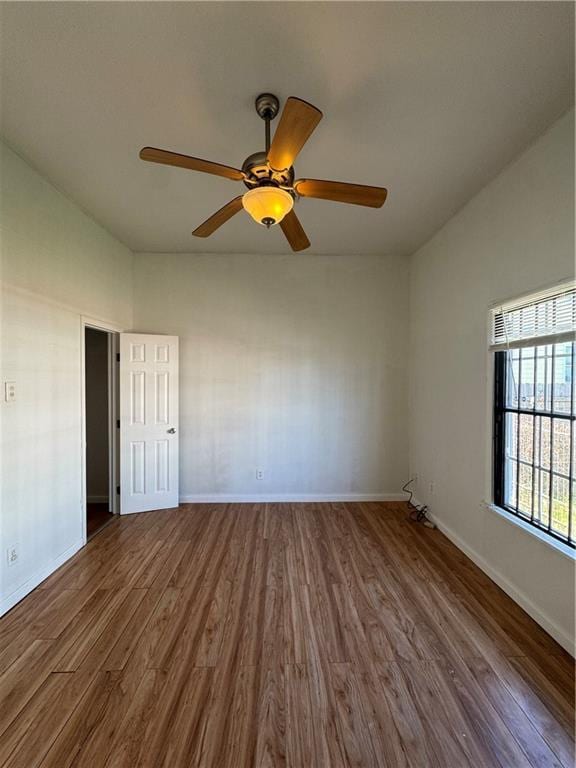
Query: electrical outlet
x,y
9,391
12,555
259,474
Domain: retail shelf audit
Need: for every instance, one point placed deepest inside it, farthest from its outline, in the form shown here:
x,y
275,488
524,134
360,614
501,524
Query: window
x,y
535,411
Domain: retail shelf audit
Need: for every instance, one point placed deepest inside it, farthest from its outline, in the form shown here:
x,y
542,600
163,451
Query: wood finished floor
x,y
305,635
97,515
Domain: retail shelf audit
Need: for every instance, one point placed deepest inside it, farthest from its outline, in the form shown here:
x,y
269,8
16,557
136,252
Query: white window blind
x,y
544,318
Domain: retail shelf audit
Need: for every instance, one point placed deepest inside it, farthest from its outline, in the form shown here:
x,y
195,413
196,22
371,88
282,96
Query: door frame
x,y
113,331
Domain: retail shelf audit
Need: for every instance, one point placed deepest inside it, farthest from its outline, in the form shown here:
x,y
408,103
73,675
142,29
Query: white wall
x,y
295,365
517,235
56,264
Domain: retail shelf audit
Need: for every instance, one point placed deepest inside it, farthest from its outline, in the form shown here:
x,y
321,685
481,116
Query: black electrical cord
x,y
418,514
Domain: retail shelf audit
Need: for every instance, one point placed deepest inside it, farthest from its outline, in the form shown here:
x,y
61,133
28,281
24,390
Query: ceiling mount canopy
x,y
269,175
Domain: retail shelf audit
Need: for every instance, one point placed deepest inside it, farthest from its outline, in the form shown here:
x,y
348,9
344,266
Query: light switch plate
x,y
9,391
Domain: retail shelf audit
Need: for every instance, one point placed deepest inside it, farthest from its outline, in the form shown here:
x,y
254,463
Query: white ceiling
x,y
428,99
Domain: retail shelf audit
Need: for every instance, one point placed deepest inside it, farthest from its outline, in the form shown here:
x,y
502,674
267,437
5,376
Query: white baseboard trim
x,y
518,596
97,499
10,601
255,498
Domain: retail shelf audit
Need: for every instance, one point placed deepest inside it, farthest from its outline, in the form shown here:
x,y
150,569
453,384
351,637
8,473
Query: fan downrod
x,y
256,170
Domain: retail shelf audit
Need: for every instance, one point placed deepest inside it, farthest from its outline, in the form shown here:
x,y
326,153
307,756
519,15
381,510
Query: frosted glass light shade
x,y
267,205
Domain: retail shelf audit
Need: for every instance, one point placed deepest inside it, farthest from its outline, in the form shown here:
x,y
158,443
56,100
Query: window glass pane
x,y
562,389
526,437
559,505
561,452
512,435
510,483
573,448
537,441
527,378
573,362
525,489
512,373
547,351
542,374
541,496
573,511
544,498
545,426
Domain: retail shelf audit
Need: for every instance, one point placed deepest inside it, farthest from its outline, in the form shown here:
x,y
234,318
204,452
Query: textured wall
x,y
56,264
295,365
517,235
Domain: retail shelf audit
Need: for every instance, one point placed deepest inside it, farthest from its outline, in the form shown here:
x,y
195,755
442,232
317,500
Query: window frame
x,y
500,409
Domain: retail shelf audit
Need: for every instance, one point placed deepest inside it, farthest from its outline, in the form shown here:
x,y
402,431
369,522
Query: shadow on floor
x,y
97,517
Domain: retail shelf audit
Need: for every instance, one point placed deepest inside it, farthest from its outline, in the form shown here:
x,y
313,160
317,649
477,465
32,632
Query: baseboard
x,y
255,498
10,601
519,597
97,499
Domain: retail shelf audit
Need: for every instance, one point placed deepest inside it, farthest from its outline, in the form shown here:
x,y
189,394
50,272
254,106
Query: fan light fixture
x,y
268,205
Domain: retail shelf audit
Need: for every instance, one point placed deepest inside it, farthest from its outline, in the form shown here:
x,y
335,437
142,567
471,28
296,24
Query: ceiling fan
x,y
269,175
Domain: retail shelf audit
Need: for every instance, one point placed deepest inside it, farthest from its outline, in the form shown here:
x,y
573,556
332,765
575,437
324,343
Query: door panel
x,y
148,422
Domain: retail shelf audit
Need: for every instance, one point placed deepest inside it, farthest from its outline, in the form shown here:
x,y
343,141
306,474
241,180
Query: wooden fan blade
x,y
295,128
163,156
357,194
294,233
220,217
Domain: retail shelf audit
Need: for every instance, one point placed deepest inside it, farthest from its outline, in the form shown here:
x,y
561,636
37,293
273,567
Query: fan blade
x,y
163,156
294,233
220,217
295,128
357,194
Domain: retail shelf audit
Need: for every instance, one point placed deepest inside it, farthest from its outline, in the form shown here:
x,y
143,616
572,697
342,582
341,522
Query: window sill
x,y
559,546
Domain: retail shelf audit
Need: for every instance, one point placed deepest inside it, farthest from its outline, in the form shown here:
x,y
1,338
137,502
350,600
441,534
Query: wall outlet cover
x,y
9,391
12,555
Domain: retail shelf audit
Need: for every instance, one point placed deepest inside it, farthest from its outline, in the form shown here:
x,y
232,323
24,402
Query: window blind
x,y
543,318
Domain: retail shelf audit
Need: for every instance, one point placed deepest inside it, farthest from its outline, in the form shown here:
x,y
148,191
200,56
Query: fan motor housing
x,y
257,171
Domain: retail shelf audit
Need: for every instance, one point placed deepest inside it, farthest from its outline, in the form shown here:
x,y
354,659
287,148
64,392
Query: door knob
x,y
171,431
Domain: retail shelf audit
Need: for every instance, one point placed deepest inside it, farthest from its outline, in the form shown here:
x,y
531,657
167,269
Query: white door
x,y
148,422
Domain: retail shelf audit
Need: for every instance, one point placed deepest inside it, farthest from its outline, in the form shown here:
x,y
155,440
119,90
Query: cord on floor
x,y
418,513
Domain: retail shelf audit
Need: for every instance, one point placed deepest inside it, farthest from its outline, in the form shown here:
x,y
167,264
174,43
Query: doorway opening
x,y
99,423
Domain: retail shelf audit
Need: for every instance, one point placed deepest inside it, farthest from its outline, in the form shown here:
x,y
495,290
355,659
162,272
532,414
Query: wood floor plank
x,y
479,715
138,643
128,740
39,725
87,722
325,635
271,718
96,656
534,745
313,736
212,634
21,681
82,634
294,597
403,710
368,731
451,740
